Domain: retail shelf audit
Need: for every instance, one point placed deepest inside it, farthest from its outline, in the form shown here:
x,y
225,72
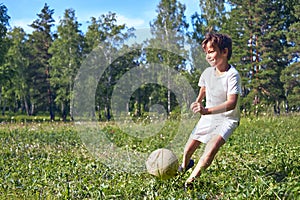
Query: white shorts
x,y
209,126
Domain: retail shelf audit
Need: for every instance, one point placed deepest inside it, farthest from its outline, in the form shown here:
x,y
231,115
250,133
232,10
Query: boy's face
x,y
214,56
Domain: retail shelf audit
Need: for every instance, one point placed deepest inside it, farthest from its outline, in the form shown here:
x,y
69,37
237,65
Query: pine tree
x,y
4,23
40,41
258,30
290,75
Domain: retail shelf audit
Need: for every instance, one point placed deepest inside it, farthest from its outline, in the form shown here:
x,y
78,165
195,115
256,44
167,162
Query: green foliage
x,y
16,68
38,70
211,17
4,23
39,95
167,47
168,28
66,58
106,38
261,45
290,78
49,161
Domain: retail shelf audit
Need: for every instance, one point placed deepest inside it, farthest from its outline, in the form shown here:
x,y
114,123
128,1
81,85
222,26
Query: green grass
x,y
49,161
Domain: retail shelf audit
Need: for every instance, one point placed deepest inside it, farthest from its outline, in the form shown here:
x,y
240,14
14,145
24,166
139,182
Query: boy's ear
x,y
225,51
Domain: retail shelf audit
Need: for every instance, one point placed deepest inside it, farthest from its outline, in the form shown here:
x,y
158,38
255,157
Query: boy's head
x,y
222,41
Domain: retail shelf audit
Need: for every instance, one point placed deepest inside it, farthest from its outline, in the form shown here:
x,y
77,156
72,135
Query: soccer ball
x,y
162,163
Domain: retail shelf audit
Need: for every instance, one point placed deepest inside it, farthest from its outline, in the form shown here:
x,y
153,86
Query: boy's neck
x,y
223,68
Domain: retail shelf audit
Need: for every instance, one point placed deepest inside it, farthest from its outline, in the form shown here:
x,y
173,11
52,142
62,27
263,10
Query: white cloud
x,y
121,19
84,17
23,23
131,22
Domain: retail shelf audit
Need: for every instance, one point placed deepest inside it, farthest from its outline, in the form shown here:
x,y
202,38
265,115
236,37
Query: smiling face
x,y
218,49
214,56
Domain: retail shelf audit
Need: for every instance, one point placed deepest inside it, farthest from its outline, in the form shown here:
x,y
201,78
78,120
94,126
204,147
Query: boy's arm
x,y
201,95
195,106
228,105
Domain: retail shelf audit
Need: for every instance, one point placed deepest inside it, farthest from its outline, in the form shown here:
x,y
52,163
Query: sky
x,y
134,13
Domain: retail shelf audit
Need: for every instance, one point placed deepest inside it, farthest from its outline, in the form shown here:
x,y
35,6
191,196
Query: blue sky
x,y
134,13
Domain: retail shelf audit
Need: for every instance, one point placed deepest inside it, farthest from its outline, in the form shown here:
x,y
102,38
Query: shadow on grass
x,y
277,176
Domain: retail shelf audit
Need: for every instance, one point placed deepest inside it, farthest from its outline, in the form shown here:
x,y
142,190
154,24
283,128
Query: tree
x,y
211,18
290,75
16,88
4,23
108,37
259,34
67,52
271,57
169,31
40,41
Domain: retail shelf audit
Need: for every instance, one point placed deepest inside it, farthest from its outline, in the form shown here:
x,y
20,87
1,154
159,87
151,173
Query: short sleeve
x,y
204,76
201,82
234,84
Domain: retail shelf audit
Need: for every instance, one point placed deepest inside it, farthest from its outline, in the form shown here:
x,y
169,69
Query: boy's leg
x,y
211,149
189,149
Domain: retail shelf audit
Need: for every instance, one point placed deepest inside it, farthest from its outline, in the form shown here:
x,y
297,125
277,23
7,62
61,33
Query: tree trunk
x,y
1,96
51,105
63,112
107,113
31,111
4,108
26,106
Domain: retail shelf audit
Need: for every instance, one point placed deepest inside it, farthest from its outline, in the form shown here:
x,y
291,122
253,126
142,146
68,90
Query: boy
x,y
220,85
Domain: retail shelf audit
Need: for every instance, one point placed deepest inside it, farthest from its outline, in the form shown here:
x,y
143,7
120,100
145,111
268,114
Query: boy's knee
x,y
210,152
206,160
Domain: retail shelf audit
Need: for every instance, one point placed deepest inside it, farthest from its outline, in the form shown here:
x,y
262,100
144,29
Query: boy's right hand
x,y
196,107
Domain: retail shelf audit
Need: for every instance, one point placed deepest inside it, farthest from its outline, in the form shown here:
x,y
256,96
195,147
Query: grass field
x,y
261,160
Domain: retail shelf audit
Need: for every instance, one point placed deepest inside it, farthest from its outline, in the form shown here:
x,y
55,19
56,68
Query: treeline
x,y
38,70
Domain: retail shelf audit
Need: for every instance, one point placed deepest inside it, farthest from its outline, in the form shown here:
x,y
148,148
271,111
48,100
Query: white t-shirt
x,y
219,86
